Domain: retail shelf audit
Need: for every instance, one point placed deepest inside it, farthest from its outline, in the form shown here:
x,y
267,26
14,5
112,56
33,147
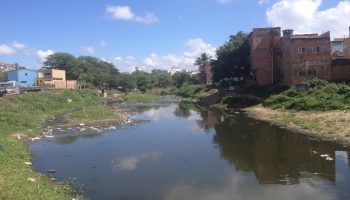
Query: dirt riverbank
x,y
331,126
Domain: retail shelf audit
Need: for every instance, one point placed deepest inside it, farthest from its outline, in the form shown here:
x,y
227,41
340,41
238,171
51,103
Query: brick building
x,y
289,59
205,75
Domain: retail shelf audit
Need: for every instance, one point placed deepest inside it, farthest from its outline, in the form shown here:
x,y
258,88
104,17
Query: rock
x,y
31,180
51,171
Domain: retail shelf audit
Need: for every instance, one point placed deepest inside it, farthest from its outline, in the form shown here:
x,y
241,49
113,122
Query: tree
x,y
86,69
63,61
233,59
203,59
182,78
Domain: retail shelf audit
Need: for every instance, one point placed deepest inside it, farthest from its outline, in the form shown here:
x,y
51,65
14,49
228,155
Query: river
x,y
187,152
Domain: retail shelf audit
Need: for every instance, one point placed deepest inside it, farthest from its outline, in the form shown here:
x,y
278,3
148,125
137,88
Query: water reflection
x,y
273,154
188,152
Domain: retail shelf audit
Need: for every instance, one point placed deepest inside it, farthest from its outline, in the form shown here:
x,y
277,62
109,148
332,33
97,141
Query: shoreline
x,y
298,121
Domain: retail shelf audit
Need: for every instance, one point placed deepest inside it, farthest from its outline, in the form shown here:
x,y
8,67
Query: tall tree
x,y
203,59
233,59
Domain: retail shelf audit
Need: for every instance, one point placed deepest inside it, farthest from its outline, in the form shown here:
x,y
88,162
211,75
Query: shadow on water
x,y
190,152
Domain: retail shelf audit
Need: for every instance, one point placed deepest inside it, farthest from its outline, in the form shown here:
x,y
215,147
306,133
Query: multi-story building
x,y
293,59
23,77
55,78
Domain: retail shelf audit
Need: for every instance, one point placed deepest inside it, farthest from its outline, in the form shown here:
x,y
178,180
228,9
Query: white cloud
x,y
263,2
155,61
125,13
129,163
42,55
18,45
88,49
103,44
305,16
6,50
224,1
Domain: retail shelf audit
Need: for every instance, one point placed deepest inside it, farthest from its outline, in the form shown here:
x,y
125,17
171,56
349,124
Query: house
x,y
292,59
174,69
55,78
23,77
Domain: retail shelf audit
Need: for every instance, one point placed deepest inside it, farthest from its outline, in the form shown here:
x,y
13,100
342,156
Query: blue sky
x,y
149,34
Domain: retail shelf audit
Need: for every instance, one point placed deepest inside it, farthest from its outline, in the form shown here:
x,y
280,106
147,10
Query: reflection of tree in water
x,y
274,155
70,139
183,110
141,109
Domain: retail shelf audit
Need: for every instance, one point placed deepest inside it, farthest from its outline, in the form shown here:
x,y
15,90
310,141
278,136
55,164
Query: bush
x,y
322,96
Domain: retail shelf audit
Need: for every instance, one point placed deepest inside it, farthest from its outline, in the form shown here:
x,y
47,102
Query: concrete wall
x,y
24,77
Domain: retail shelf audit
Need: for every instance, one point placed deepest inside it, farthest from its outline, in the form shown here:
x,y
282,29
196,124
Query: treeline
x,y
93,72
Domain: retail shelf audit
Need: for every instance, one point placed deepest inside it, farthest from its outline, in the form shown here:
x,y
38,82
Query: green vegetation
x,y
320,96
135,97
233,60
22,117
3,76
92,113
86,69
188,91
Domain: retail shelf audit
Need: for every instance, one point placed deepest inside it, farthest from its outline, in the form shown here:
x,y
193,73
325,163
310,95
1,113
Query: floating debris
x,y
28,163
324,155
82,124
36,138
329,158
31,180
51,171
49,136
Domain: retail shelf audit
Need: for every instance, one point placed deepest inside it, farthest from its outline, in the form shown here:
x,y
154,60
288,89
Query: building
x,y
205,75
174,69
292,59
55,78
23,77
5,67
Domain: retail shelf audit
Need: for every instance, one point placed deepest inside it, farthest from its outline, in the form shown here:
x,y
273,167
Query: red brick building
x,y
293,59
205,75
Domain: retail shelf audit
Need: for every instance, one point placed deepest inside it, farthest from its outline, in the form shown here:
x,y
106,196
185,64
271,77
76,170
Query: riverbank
x,y
328,125
23,117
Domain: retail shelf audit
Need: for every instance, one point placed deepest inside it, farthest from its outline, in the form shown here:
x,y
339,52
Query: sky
x,y
151,34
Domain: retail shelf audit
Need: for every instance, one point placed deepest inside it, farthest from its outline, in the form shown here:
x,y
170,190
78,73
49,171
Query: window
x,y
25,74
311,73
316,49
302,73
301,50
23,82
47,74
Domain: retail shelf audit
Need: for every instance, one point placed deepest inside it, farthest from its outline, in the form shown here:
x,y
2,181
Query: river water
x,y
185,152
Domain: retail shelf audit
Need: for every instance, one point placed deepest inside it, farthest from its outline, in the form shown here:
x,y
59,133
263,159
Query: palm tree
x,y
203,59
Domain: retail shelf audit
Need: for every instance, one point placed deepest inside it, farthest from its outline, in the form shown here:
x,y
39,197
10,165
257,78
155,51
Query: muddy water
x,y
194,153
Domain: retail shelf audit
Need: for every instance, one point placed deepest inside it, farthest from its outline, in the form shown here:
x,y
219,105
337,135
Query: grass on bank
x,y
92,113
22,117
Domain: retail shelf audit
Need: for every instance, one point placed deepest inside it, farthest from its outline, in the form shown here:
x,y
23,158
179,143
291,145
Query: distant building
x,y
292,59
55,78
23,77
174,69
5,67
